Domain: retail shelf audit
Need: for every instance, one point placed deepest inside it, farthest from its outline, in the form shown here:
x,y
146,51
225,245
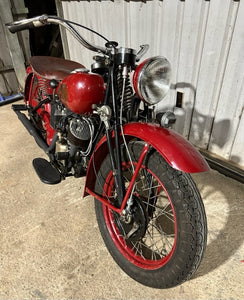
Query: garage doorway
x,y
44,40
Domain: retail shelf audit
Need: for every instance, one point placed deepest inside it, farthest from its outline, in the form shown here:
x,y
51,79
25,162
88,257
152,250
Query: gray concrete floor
x,y
51,247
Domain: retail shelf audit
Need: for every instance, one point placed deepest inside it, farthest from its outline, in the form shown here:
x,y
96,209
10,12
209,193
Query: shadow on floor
x,y
225,213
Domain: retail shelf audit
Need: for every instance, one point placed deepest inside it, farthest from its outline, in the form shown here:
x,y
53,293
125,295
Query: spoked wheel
x,y
161,243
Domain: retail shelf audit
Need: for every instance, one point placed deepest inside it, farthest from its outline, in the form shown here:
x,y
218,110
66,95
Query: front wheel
x,y
162,243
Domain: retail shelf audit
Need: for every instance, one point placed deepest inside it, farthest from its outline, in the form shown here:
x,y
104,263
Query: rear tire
x,y
170,249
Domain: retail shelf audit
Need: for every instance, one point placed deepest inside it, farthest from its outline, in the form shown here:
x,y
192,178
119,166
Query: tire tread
x,y
190,217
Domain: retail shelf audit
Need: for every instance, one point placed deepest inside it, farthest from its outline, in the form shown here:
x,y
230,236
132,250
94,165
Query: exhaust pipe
x,y
17,108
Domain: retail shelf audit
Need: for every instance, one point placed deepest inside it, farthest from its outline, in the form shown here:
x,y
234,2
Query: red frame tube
x,y
130,187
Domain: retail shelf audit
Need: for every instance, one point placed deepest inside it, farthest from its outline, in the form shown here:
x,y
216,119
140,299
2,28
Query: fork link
x,y
116,167
113,162
118,175
105,114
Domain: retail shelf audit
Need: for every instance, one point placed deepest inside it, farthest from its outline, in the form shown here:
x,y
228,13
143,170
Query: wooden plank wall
x,y
8,80
204,41
14,48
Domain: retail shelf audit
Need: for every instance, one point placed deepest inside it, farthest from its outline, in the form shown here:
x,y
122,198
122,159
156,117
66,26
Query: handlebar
x,y
18,27
44,20
26,24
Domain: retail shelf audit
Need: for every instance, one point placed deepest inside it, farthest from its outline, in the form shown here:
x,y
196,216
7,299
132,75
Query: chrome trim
x,y
123,50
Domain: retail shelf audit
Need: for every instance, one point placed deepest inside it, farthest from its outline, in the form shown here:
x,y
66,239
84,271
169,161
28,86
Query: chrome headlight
x,y
151,79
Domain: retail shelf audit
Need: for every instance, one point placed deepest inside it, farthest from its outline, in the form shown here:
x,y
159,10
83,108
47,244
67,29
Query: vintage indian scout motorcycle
x,y
100,125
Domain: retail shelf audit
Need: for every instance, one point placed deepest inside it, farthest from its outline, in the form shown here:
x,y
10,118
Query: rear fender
x,y
178,152
28,87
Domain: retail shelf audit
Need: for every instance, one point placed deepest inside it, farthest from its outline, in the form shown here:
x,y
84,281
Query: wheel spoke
x,y
156,243
137,245
164,235
168,215
153,242
158,240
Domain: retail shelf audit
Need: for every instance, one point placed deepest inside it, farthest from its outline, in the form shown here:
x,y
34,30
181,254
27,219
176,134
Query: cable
x,y
82,26
91,128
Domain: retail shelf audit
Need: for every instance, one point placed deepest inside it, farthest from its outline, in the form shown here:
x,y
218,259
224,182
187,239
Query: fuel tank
x,y
78,91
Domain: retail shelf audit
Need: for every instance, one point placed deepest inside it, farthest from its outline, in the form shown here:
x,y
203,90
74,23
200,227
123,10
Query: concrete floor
x,y
51,247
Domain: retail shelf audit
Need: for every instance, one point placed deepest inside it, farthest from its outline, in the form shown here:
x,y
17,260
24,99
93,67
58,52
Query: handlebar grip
x,y
28,23
18,27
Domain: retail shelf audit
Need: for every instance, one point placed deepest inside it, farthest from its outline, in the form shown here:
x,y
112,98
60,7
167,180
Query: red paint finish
x,y
45,115
178,152
138,166
28,86
130,187
32,98
128,251
79,91
29,70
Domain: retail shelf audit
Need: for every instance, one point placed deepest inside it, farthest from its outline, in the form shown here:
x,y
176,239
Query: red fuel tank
x,y
80,90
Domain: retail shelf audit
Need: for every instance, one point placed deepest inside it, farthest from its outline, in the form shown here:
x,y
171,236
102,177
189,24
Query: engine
x,y
80,133
75,134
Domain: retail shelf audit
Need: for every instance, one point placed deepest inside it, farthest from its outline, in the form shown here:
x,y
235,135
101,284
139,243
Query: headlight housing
x,y
151,79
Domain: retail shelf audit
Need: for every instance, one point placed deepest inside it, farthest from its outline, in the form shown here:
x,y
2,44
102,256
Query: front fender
x,y
178,152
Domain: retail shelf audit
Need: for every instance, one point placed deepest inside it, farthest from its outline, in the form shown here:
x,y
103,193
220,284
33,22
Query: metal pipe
x,y
30,128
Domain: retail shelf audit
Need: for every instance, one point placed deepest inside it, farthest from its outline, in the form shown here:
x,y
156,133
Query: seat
x,y
53,67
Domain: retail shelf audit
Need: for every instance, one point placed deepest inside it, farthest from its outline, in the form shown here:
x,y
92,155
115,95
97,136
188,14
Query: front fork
x,y
127,197
105,114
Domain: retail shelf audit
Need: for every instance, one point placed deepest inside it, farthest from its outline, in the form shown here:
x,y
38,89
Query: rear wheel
x,y
161,244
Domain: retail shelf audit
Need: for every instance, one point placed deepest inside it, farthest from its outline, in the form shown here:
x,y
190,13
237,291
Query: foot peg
x,y
46,172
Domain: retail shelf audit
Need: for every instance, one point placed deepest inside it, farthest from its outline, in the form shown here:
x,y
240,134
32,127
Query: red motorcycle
x,y
100,125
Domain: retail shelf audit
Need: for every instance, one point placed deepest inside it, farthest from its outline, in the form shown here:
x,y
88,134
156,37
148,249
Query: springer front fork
x,y
124,198
105,114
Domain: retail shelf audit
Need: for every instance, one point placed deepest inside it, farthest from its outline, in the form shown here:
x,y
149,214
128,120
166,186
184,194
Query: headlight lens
x,y
152,79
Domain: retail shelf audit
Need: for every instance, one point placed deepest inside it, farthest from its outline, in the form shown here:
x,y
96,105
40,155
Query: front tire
x,y
168,247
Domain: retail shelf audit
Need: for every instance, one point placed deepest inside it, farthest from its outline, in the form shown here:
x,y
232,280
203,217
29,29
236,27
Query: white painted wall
x,y
204,41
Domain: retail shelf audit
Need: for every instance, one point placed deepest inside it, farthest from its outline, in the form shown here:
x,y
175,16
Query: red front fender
x,y
178,152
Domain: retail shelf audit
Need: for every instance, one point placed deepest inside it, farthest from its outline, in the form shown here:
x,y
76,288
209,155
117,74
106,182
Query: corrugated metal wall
x,y
204,41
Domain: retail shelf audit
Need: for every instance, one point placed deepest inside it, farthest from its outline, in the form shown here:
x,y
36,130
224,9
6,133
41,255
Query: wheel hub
x,y
133,225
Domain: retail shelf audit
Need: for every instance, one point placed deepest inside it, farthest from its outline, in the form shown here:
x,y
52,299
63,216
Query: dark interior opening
x,y
44,40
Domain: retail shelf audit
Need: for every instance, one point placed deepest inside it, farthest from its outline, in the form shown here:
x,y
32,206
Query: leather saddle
x,y
53,67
